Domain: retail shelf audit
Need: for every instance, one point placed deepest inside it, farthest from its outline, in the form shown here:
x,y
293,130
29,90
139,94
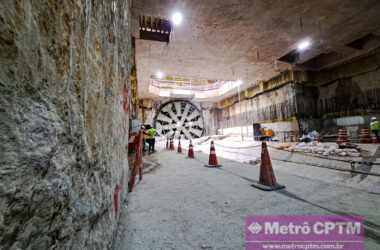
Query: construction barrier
x,y
374,140
171,147
213,160
138,163
179,149
267,181
190,153
342,136
365,136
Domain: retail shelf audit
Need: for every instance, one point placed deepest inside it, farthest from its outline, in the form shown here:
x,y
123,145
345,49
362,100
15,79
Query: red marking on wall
x,y
125,99
116,199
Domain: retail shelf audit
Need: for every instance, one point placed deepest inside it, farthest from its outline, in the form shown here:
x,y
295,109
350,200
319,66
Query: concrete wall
x,y
318,101
274,109
276,105
63,129
346,95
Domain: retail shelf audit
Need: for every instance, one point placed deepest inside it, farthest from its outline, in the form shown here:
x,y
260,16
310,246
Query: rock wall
x,y
64,68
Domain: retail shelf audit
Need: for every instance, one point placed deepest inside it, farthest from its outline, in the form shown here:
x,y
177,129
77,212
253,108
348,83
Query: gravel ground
x,y
183,205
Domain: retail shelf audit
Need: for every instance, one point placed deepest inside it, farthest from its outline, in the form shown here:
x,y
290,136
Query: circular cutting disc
x,y
179,118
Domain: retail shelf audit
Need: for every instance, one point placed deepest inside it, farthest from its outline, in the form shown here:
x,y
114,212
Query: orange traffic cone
x,y
342,136
374,139
179,150
365,136
212,160
318,138
267,180
171,147
190,153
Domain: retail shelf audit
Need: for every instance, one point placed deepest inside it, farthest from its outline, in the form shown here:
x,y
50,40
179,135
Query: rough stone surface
x,y
63,130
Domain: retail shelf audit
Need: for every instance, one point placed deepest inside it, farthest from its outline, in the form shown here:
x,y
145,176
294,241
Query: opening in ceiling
x,y
322,60
291,57
154,29
362,42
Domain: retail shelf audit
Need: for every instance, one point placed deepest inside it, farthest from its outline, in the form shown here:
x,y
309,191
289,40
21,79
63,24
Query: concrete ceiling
x,y
242,39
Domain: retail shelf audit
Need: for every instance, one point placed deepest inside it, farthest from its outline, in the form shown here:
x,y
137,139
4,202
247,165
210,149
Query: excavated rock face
x,y
63,130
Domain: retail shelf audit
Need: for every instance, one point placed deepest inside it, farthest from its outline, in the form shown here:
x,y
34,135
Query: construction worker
x,y
375,127
150,138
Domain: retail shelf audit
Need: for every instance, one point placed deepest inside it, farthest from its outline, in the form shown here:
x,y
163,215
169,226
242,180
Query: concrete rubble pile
x,y
322,149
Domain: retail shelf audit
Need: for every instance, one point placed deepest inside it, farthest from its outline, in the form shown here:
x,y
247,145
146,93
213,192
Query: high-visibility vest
x,y
375,125
151,133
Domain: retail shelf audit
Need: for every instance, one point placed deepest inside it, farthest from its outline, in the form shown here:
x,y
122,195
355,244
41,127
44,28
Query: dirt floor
x,y
181,204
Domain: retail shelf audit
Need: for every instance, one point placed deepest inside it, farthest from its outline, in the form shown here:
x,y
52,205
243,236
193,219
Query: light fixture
x,y
177,18
303,45
159,75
